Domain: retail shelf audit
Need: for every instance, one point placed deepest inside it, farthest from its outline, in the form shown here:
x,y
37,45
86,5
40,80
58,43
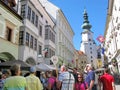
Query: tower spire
x,y
86,24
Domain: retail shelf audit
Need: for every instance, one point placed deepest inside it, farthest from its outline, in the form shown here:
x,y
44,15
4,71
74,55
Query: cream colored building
x,y
10,22
112,32
64,34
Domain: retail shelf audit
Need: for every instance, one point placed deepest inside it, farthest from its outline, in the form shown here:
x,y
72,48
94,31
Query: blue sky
x,y
73,10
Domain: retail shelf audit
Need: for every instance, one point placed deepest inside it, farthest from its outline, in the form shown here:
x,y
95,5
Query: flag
x,y
102,50
100,39
45,51
72,61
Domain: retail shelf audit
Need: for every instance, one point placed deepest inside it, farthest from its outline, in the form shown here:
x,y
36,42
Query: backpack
x,y
54,86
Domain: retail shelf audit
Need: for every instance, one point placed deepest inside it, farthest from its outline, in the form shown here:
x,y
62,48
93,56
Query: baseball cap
x,y
32,69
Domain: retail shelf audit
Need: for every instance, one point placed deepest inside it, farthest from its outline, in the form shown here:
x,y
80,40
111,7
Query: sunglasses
x,y
80,77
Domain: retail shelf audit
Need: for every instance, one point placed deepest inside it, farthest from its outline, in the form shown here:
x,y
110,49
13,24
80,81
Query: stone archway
x,y
31,61
5,56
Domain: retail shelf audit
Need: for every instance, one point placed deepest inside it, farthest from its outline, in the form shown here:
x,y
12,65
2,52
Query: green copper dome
x,y
86,24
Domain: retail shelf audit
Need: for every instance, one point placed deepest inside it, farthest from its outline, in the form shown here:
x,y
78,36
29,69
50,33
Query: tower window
x,y
89,39
91,57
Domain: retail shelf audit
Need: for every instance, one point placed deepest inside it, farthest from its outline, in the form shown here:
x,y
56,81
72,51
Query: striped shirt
x,y
67,80
15,83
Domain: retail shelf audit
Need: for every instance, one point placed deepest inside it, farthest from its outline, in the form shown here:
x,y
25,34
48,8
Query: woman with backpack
x,y
80,84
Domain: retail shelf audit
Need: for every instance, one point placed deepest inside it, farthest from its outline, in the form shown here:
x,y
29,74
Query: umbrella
x,y
8,64
44,67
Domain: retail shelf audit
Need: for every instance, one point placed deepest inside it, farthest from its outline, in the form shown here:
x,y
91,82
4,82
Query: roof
x,y
80,52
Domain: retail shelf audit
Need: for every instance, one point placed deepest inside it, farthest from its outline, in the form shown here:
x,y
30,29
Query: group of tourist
x,y
55,80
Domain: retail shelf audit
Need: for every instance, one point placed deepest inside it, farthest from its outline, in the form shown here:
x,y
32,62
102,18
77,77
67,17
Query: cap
x,y
33,69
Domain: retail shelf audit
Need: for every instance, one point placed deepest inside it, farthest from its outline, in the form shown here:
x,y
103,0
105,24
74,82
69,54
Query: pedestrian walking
x,y
15,82
106,81
66,80
80,83
33,82
90,78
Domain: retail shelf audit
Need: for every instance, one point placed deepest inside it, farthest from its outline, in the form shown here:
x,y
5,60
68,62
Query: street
x,y
117,87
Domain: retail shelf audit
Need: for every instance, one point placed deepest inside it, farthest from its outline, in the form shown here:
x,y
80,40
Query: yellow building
x,y
81,60
10,22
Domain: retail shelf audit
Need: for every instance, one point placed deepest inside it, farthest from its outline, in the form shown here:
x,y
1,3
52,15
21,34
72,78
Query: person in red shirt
x,y
106,81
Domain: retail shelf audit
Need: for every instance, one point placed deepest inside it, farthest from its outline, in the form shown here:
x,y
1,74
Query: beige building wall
x,y
10,22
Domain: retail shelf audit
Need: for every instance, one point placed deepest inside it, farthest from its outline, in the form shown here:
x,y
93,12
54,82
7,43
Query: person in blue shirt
x,y
90,78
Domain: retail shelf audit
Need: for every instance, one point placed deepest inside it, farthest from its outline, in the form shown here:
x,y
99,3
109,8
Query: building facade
x,y
88,45
37,36
81,61
112,32
10,22
64,34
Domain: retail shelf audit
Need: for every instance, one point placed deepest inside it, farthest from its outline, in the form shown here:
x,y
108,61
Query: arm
x,y
113,85
91,84
59,84
39,85
87,86
49,86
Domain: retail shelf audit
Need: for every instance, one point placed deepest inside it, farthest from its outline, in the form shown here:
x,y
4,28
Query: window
x,y
40,50
54,38
89,39
116,19
27,38
9,34
31,42
50,35
36,21
23,10
29,13
35,44
91,57
46,34
40,30
33,17
21,37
